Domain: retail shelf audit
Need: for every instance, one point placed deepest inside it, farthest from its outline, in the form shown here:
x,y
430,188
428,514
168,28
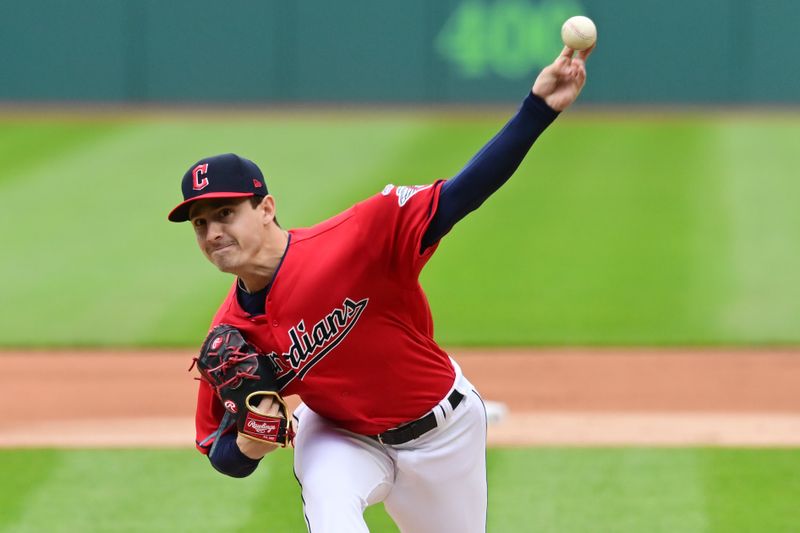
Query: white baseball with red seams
x,y
579,33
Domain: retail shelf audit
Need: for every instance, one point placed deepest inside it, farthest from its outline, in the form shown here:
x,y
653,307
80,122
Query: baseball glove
x,y
241,376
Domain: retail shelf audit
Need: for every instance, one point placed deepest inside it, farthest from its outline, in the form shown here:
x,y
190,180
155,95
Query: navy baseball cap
x,y
221,176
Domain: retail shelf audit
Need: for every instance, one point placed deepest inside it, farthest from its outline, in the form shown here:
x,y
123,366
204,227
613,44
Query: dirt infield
x,y
537,397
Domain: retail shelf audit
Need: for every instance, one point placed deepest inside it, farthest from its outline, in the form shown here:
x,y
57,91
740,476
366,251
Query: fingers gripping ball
x,y
241,376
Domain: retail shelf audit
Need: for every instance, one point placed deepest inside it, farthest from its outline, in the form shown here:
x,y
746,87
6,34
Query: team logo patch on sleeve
x,y
404,193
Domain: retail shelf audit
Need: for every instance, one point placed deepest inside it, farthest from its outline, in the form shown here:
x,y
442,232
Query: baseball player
x,y
337,309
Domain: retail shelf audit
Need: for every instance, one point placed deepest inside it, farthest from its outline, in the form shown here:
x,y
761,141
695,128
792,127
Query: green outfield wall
x,y
720,51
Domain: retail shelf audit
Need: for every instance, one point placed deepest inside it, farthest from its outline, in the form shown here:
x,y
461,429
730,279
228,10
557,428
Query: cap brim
x,y
181,211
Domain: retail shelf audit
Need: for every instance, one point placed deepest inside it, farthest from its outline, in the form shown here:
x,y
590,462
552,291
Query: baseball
x,y
579,33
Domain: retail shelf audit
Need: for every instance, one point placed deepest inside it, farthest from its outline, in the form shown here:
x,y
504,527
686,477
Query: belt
x,y
417,428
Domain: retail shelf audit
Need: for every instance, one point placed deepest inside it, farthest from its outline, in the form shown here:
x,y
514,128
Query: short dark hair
x,y
255,201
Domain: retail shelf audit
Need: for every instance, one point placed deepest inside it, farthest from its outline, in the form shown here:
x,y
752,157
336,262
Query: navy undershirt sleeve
x,y
490,168
227,458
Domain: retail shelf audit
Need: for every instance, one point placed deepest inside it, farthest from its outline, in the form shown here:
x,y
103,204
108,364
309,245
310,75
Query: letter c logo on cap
x,y
200,184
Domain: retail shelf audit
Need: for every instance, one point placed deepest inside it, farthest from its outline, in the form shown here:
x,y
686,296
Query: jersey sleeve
x,y
208,418
393,223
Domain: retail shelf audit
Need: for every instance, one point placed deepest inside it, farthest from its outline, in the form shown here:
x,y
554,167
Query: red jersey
x,y
347,326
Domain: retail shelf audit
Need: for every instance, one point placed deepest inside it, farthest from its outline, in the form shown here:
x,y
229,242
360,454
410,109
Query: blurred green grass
x,y
623,231
691,490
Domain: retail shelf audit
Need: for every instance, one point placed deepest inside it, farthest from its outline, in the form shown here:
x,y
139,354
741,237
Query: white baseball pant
x,y
433,484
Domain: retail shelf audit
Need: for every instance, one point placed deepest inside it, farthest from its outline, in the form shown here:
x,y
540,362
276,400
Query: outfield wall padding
x,y
266,51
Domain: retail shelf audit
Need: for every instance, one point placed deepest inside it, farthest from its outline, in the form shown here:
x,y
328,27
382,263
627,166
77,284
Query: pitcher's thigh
x,y
440,487
339,474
